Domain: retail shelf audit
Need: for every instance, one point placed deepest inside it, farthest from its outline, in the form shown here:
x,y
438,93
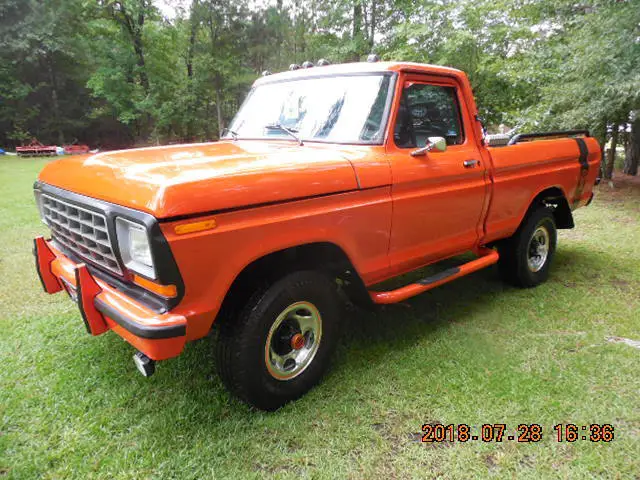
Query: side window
x,y
427,111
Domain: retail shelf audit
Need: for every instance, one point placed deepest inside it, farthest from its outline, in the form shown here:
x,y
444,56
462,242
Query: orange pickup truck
x,y
330,180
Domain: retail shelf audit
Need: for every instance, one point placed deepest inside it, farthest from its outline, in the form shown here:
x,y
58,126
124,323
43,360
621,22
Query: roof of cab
x,y
357,68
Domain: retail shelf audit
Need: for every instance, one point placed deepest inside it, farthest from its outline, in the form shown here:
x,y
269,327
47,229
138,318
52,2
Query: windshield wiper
x,y
282,128
234,134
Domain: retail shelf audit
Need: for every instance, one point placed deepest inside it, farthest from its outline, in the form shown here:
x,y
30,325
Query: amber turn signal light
x,y
194,227
167,291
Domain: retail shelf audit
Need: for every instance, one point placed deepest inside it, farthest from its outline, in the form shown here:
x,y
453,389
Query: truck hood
x,y
188,179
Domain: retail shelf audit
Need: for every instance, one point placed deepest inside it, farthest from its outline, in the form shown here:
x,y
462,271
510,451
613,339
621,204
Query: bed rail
x,y
560,133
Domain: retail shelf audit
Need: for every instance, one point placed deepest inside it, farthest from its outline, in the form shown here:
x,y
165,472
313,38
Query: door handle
x,y
471,163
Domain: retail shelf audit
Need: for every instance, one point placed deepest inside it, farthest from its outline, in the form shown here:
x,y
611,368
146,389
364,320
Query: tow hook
x,y
144,364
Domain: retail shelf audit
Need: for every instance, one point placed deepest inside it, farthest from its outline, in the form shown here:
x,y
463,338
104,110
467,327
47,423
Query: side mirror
x,y
436,144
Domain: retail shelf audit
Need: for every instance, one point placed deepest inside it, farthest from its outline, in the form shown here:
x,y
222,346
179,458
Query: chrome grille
x,y
81,231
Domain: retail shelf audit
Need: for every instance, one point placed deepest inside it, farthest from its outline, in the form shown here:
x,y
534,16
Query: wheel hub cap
x,y
538,250
297,341
293,340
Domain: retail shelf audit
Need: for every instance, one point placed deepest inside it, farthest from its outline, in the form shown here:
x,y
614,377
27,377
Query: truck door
x,y
437,197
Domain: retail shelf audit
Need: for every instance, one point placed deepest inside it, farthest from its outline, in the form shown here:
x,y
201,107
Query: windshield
x,y
342,109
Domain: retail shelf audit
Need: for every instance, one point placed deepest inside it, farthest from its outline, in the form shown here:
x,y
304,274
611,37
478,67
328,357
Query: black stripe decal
x,y
584,169
584,153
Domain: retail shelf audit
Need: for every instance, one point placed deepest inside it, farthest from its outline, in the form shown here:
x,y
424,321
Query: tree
x,y
632,157
131,15
115,73
611,154
42,74
592,81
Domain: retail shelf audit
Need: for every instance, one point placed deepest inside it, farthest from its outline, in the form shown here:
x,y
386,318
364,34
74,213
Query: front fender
x,y
357,222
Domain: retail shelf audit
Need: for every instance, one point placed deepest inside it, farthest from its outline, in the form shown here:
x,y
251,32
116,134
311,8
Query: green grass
x,y
474,351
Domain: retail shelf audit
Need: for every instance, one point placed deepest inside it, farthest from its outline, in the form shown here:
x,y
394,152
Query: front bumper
x,y
157,335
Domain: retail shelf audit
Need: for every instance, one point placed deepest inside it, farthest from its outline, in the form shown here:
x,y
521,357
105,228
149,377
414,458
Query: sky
x,y
169,8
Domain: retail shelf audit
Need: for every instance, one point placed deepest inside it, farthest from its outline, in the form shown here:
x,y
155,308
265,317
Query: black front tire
x,y
241,348
518,252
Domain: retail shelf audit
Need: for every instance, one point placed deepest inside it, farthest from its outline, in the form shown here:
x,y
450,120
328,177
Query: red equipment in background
x,y
36,149
76,149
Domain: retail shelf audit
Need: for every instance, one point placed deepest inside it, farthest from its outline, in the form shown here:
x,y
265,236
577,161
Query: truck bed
x,y
522,170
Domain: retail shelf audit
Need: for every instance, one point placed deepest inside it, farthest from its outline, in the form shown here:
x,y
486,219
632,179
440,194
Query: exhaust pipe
x,y
144,364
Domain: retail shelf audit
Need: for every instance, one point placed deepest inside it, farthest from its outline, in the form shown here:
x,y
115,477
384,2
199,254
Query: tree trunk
x,y
142,72
356,33
190,52
134,28
601,135
207,125
373,25
301,34
611,157
357,19
192,39
632,157
219,111
55,104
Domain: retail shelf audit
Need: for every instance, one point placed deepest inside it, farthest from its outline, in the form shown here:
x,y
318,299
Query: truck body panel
x,y
195,179
357,222
522,171
429,189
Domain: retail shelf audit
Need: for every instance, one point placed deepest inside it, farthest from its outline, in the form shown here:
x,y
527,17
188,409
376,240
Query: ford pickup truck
x,y
330,181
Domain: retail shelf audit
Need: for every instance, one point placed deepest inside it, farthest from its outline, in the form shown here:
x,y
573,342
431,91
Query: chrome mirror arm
x,y
439,144
421,152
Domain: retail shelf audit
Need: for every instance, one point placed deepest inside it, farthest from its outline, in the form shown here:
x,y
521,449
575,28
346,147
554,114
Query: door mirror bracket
x,y
437,144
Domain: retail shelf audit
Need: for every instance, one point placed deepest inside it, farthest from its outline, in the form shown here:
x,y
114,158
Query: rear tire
x,y
526,257
280,345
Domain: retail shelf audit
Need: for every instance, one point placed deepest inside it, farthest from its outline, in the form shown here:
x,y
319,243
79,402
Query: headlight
x,y
135,249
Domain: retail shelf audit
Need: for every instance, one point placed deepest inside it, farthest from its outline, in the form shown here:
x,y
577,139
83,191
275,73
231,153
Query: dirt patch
x,y
398,440
629,180
528,461
620,189
491,462
553,333
622,285
626,341
627,428
382,429
395,440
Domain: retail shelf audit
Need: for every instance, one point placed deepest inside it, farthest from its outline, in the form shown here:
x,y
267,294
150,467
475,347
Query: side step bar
x,y
487,257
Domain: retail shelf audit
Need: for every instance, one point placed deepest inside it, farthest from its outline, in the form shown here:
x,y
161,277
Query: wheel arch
x,y
554,198
324,256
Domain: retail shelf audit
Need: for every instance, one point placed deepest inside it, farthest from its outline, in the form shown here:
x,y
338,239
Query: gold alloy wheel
x,y
293,340
538,249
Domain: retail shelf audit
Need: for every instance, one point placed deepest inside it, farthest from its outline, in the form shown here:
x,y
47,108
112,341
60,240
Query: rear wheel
x,y
279,346
525,258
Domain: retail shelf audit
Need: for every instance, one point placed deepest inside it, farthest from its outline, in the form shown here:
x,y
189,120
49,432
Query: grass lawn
x,y
474,351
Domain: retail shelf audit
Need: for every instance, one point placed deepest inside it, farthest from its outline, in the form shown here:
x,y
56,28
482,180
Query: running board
x,y
488,257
